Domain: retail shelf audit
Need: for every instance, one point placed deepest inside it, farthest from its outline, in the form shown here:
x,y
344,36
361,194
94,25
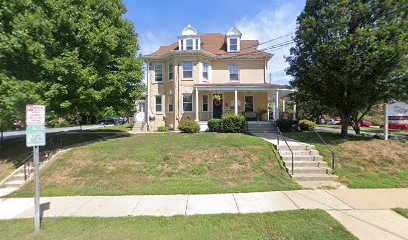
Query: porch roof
x,y
243,87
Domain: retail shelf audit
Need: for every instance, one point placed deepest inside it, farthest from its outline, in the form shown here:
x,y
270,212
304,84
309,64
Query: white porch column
x,y
274,111
277,105
283,105
294,110
196,105
236,102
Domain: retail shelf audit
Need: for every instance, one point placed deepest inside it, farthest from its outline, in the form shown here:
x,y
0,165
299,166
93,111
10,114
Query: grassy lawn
x,y
166,163
117,128
369,129
363,162
402,211
299,224
13,152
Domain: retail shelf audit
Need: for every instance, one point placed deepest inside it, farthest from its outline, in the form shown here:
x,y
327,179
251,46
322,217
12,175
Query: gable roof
x,y
214,43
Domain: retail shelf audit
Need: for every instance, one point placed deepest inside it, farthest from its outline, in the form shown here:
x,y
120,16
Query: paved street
x,y
363,132
21,134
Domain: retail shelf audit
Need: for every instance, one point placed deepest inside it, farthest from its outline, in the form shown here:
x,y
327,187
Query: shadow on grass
x,y
330,138
15,151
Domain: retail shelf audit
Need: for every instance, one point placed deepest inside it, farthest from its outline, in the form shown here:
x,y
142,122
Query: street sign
x,y
35,115
35,136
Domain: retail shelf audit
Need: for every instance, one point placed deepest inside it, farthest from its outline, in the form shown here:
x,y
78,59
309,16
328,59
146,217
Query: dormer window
x,y
233,44
189,39
233,40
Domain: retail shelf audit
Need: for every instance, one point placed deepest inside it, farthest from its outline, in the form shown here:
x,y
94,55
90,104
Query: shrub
x,y
189,126
215,125
286,125
233,123
162,129
306,125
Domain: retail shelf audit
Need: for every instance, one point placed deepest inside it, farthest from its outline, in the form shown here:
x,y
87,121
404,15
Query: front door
x,y
217,105
140,115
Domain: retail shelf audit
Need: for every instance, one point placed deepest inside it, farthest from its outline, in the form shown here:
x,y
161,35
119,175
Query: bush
x,y
232,123
306,125
215,125
286,125
162,129
189,126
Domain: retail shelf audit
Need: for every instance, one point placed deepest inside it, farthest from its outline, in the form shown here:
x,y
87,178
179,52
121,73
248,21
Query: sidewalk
x,y
364,212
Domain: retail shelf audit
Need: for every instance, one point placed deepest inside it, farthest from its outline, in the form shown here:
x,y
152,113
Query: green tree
x,y
346,52
81,55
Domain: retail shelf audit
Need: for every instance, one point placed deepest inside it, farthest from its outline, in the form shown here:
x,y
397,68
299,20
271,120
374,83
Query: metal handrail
x,y
280,133
27,162
324,142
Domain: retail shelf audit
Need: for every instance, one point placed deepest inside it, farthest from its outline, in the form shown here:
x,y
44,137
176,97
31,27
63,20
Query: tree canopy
x,y
76,56
349,55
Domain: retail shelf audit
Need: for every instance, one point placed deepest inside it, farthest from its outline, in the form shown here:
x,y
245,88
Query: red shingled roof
x,y
214,43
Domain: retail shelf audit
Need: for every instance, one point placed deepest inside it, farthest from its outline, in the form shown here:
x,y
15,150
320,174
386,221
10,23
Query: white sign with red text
x,y
35,115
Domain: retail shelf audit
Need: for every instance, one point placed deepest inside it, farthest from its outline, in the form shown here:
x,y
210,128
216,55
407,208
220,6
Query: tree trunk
x,y
344,125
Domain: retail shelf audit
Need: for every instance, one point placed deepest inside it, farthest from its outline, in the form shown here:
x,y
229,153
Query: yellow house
x,y
204,76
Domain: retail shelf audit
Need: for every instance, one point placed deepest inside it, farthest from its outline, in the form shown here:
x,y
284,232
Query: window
x,y
205,103
187,70
205,71
170,103
181,44
233,44
189,44
158,104
187,102
196,44
234,73
249,103
158,73
170,72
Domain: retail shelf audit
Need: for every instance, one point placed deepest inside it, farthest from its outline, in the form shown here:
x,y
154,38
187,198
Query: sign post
x,y
385,122
35,137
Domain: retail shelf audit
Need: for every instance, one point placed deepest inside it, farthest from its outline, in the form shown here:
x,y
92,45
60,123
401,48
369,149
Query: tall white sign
x,y
395,114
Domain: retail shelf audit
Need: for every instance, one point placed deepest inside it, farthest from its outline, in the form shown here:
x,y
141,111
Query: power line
x,y
269,41
266,49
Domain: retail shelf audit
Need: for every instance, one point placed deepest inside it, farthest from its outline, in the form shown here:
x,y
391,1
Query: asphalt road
x,y
363,132
20,134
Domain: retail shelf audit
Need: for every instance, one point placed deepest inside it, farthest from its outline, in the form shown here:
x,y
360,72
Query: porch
x,y
257,102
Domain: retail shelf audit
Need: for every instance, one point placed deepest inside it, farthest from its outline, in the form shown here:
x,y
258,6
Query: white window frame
x,y
236,44
192,102
208,103
161,104
170,103
170,70
231,66
208,72
192,44
155,74
192,67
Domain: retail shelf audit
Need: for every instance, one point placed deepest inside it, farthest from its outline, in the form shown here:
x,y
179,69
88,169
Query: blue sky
x,y
159,22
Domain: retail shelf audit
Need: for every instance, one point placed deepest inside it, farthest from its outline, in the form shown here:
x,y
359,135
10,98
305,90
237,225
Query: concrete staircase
x,y
139,127
308,165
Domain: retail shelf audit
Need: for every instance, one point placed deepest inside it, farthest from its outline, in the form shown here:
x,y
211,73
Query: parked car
x,y
396,126
107,120
333,122
365,123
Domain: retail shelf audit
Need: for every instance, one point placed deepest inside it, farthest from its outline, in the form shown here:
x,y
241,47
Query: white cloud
x,y
150,42
269,24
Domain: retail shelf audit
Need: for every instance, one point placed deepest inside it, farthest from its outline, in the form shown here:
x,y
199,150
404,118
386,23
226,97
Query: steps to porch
x,y
139,127
308,168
